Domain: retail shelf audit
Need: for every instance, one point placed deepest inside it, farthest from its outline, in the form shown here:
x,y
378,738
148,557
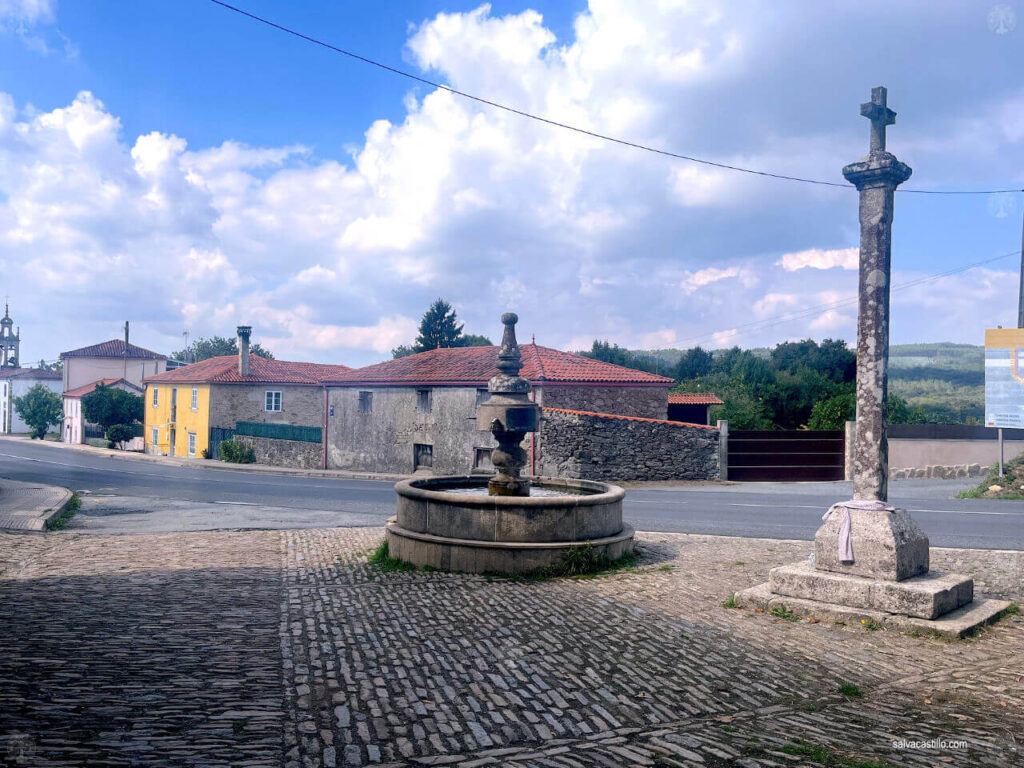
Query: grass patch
x,y
584,562
803,703
60,521
782,612
729,602
1011,485
384,563
871,625
827,756
1013,609
851,690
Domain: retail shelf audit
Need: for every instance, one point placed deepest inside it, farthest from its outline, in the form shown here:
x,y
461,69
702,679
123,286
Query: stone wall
x,y
300,405
645,402
599,447
284,453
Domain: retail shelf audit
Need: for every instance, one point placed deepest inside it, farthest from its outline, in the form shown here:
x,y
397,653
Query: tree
x,y
40,408
57,366
107,406
217,346
440,327
694,364
120,434
834,412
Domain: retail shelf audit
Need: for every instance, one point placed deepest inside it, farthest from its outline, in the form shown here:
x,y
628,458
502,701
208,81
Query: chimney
x,y
126,334
244,332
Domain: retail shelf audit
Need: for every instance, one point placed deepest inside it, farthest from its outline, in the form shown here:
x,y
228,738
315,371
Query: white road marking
x,y
238,503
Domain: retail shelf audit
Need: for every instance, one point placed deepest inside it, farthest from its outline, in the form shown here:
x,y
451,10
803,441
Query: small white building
x,y
75,425
15,382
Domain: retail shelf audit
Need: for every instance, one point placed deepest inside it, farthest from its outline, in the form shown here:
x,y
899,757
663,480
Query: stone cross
x,y
880,116
876,178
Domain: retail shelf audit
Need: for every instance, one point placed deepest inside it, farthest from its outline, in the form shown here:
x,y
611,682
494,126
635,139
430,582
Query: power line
x,y
584,131
815,309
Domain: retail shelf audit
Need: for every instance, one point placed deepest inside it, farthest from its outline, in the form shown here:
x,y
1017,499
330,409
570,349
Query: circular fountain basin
x,y
444,523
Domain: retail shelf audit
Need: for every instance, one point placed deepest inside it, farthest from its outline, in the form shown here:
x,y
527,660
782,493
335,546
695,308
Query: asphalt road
x,y
131,496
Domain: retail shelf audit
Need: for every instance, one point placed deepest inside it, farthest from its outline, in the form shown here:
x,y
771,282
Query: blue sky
x,y
183,167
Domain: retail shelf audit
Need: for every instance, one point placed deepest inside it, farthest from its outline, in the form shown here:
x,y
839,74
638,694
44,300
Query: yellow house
x,y
177,418
190,409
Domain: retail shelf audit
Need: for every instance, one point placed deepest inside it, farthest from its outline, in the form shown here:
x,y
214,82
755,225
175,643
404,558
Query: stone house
x,y
15,382
692,407
76,428
190,409
114,359
419,412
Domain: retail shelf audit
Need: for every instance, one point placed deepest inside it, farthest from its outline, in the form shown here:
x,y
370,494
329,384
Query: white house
x,y
114,359
15,382
74,422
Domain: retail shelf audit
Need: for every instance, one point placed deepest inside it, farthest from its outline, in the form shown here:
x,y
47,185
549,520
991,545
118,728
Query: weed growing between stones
x,y
1010,486
851,690
871,625
782,612
827,756
584,562
380,559
729,602
60,521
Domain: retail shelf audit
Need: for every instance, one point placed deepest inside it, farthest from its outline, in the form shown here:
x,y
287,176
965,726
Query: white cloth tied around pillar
x,y
845,542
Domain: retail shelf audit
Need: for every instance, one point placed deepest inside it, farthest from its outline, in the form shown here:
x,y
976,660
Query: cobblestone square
x,y
285,648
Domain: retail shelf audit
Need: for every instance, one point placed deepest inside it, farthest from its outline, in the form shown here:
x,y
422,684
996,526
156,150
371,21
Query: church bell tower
x,y
10,341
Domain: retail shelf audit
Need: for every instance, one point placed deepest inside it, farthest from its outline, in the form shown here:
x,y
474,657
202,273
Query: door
x,y
174,405
174,437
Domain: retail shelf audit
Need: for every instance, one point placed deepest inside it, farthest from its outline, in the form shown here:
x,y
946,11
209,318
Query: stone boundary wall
x,y
284,453
945,472
600,446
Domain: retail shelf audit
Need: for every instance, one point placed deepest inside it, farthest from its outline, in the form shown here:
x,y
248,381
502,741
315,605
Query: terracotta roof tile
x,y
224,370
694,398
30,373
85,389
666,422
473,366
114,348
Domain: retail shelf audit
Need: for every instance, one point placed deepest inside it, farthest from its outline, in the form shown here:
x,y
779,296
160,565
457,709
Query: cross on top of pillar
x,y
880,116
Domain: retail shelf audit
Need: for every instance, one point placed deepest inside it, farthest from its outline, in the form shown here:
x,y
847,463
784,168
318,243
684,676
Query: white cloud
x,y
816,258
693,281
27,11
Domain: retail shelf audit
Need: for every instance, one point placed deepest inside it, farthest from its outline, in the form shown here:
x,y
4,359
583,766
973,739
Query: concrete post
x,y
876,178
723,449
851,436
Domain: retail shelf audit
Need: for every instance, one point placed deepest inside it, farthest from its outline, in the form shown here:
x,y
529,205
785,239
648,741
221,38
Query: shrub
x,y
237,453
39,408
120,434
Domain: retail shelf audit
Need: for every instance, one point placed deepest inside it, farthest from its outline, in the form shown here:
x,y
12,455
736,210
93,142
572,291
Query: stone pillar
x,y
723,449
850,437
876,178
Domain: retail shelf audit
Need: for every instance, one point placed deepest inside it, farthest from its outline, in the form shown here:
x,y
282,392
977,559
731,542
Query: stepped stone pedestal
x,y
887,581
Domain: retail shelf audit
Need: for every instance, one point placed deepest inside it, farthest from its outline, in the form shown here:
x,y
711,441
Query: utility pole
x,y
186,355
1020,293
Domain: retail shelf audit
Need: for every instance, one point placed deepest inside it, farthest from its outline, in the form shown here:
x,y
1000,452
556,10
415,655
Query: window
x,y
482,395
422,455
482,459
156,397
423,404
366,402
195,398
273,401
191,443
154,436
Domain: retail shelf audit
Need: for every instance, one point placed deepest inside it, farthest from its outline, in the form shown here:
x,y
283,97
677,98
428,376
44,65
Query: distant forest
x,y
808,384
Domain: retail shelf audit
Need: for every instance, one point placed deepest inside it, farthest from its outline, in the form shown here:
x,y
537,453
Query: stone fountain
x,y
506,523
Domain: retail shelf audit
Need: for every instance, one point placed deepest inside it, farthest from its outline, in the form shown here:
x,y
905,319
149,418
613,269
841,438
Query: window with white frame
x,y
195,398
156,397
272,401
191,443
154,436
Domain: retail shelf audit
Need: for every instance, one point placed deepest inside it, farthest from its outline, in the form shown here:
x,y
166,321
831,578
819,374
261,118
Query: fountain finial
x,y
510,361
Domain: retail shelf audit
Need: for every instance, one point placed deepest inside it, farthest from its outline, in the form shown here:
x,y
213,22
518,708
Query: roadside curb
x,y
210,464
45,503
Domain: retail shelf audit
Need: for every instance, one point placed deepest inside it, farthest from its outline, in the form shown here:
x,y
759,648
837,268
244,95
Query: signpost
x,y
1004,381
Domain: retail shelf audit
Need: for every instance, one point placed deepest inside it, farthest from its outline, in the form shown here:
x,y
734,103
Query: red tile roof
x,y
85,389
666,422
694,398
473,366
224,370
30,373
114,348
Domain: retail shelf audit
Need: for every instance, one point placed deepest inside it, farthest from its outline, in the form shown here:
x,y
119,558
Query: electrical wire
x,y
584,131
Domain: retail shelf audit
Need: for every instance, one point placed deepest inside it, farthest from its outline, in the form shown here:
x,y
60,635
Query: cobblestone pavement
x,y
285,648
